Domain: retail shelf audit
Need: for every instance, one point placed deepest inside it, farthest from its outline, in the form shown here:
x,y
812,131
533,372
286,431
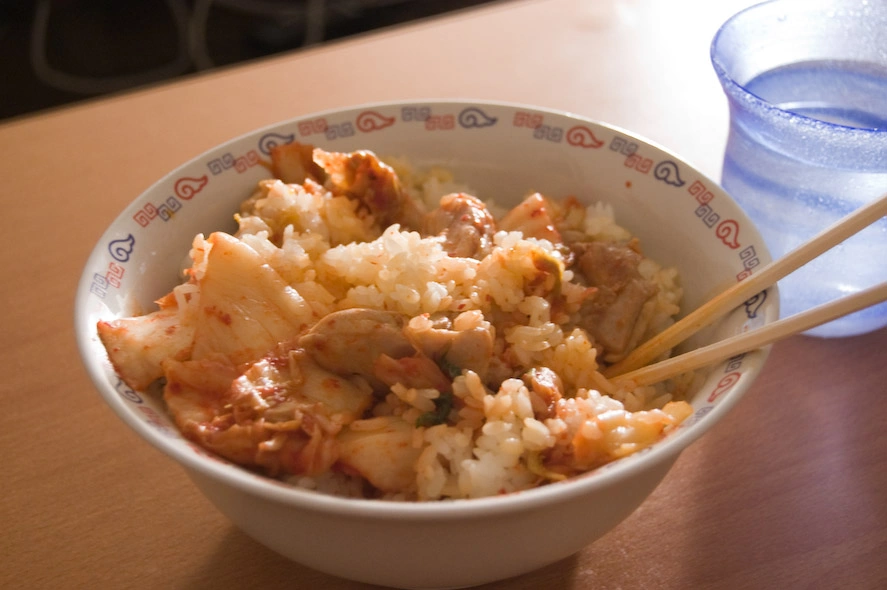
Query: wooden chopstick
x,y
754,339
743,290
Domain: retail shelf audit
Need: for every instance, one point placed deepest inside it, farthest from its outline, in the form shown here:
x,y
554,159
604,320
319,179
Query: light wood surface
x,y
789,491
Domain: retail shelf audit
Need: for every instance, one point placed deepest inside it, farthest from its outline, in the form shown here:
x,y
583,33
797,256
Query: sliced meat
x,y
546,389
465,223
467,349
414,372
612,315
350,341
293,163
363,177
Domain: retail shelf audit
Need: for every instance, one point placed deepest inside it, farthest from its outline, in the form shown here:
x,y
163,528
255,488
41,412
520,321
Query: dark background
x,y
56,52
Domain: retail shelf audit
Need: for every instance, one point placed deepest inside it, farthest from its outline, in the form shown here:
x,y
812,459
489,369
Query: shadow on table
x,y
241,561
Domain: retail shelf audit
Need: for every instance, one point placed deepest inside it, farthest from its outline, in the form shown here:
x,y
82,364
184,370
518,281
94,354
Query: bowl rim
x,y
255,484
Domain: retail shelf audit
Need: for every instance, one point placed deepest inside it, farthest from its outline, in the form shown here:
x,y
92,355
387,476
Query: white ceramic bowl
x,y
682,218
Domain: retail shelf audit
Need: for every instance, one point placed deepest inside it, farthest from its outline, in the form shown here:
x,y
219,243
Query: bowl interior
x,y
502,152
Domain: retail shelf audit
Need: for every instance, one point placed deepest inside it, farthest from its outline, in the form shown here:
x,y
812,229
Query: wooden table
x,y
789,491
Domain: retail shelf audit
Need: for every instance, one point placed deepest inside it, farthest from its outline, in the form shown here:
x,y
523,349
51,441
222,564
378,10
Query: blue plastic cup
x,y
806,82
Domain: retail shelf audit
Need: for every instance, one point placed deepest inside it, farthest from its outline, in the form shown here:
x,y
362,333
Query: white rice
x,y
332,255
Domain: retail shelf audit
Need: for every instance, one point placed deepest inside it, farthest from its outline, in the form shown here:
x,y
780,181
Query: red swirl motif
x,y
582,136
724,385
186,187
728,232
372,121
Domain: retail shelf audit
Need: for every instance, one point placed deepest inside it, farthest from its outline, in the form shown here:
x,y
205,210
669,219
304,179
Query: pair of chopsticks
x,y
632,369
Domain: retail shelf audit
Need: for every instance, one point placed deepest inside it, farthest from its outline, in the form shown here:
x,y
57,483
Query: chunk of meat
x,y
350,341
417,372
468,348
546,390
607,265
465,224
293,163
384,454
612,315
533,216
363,177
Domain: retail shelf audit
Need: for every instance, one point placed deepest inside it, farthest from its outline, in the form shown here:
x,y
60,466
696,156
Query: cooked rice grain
x,y
333,257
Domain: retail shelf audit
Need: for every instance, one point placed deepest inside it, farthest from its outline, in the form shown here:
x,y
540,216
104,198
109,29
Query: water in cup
x,y
845,92
808,140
